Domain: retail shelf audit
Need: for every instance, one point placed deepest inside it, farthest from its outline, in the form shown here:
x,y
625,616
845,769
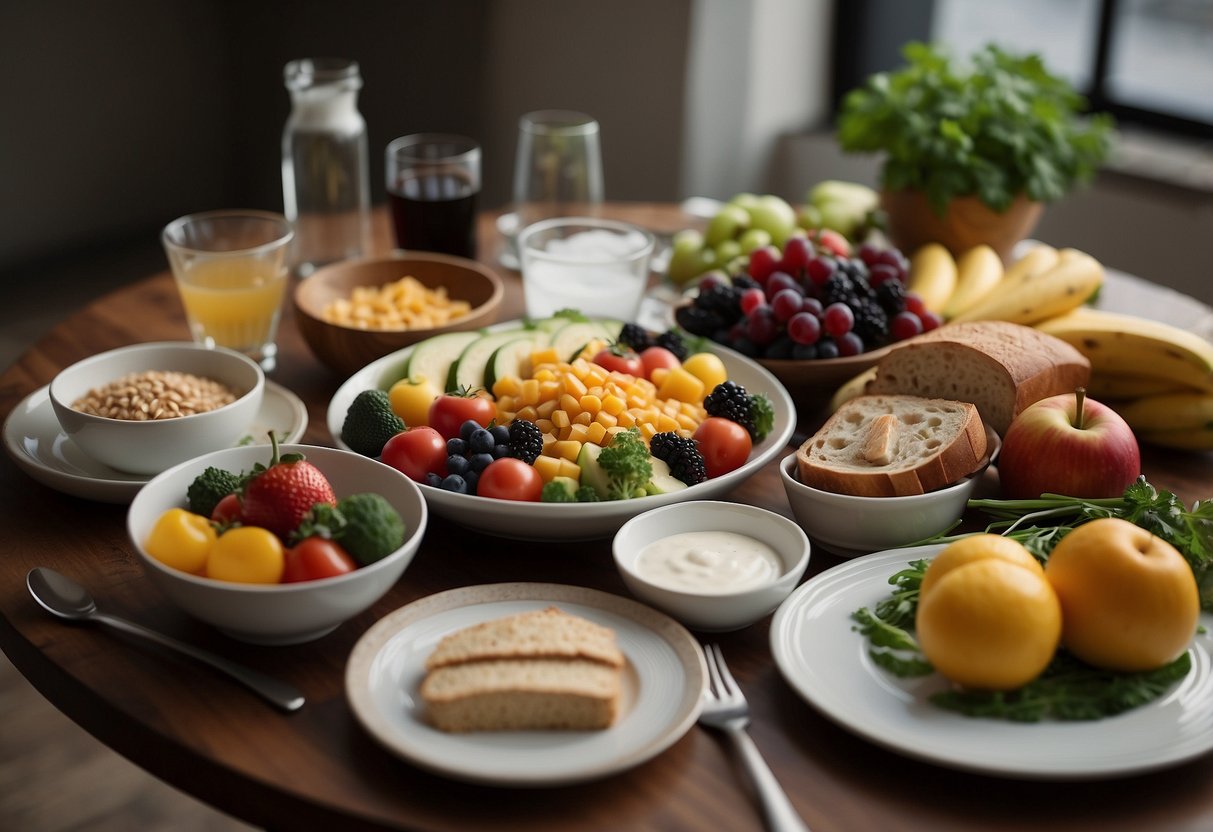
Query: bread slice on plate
x,y
538,670
893,446
523,694
1001,367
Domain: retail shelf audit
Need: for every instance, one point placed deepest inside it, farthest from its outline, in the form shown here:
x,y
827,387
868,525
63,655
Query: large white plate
x,y
828,664
38,445
664,680
575,521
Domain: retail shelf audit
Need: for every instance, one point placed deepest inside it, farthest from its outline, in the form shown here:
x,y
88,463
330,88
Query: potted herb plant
x,y
972,153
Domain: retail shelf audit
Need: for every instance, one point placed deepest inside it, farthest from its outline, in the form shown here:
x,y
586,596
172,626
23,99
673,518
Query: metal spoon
x,y
62,596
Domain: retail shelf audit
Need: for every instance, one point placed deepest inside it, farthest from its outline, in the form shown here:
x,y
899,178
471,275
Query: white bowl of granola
x,y
146,407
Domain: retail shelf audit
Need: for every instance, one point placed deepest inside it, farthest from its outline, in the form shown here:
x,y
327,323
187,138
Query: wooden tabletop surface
x,y
318,768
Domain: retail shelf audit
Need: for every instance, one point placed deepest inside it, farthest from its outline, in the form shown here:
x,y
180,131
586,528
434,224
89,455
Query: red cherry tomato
x,y
620,359
655,358
228,511
416,452
510,479
313,558
450,411
725,445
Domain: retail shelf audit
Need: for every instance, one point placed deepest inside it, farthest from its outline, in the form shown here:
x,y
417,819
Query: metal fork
x,y
725,708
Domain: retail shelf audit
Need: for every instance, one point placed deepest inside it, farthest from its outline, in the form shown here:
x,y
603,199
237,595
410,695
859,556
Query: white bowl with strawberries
x,y
277,546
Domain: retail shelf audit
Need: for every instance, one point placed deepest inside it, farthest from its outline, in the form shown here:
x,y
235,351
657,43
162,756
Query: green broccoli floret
x,y
208,488
587,494
370,423
627,466
372,528
556,492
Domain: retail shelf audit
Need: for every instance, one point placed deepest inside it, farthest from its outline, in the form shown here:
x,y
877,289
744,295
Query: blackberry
x,y
636,337
724,300
743,281
673,342
891,295
526,440
698,321
730,400
840,288
681,454
871,322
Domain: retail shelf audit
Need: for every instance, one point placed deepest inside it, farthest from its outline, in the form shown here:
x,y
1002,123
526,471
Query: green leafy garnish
x,y
1001,127
626,463
763,414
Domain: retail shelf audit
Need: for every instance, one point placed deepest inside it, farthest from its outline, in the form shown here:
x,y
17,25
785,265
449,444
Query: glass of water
x,y
599,267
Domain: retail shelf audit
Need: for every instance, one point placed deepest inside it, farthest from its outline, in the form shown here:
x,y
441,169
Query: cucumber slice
x,y
592,474
662,481
513,358
433,357
550,325
612,327
570,338
468,369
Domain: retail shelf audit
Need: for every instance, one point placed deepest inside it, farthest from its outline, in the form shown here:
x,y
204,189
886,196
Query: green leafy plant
x,y
1001,127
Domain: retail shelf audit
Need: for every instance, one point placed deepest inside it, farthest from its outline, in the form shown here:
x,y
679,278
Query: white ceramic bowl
x,y
150,447
566,522
713,611
849,525
281,613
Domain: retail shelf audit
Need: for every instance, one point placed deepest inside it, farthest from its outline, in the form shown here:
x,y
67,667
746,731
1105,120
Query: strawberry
x,y
278,497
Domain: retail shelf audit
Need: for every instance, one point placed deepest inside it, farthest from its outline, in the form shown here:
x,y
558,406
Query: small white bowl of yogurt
x,y
714,566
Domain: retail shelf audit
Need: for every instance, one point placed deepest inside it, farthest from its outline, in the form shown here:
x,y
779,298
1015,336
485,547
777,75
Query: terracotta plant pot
x,y
967,222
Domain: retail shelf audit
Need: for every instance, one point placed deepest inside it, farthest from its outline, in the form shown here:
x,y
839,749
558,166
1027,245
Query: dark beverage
x,y
435,212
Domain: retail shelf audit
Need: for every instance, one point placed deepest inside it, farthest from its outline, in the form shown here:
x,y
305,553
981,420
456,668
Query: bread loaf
x,y
537,670
893,446
1001,367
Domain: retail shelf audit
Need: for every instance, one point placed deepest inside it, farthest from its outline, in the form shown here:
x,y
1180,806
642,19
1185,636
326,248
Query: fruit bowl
x,y
575,521
813,382
280,613
347,348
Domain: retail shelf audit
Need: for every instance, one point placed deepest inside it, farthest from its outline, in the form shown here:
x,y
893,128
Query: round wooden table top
x,y
318,768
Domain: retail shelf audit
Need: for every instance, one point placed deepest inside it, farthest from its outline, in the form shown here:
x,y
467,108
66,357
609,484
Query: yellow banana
x,y
1170,411
978,272
1035,296
1128,345
1122,387
1189,439
1038,258
932,276
851,389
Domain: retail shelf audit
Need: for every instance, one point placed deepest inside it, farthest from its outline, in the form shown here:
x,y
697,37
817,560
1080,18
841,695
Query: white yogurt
x,y
709,562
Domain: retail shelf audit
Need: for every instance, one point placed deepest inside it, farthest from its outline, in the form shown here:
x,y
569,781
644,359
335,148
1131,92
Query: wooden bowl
x,y
812,383
346,348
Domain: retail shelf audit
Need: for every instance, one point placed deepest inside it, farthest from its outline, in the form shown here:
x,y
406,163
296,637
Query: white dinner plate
x,y
828,664
575,521
663,682
38,445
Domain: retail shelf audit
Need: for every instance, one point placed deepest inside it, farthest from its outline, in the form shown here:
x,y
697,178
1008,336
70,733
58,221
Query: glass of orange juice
x,y
231,269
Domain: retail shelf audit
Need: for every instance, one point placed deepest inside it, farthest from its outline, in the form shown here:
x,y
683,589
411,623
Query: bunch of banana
x,y
1043,283
1158,377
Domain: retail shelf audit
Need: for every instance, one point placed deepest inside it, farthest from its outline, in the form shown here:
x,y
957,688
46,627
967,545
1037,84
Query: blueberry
x,y
465,430
471,477
456,464
827,349
500,450
501,434
457,447
479,462
456,483
433,480
480,442
804,352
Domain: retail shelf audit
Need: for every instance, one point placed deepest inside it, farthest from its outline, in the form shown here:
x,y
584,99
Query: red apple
x,y
1070,445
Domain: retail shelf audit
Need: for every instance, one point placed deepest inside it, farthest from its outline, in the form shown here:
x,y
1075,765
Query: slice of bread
x,y
893,446
538,670
523,694
547,633
1001,367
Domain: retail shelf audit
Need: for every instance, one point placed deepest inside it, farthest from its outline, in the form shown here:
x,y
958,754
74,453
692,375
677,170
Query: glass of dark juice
x,y
432,183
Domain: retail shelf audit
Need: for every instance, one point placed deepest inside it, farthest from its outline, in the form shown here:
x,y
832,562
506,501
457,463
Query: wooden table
x,y
318,768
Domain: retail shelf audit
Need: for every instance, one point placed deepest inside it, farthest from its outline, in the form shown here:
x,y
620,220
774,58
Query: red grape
x,y
804,328
761,327
712,280
763,261
814,306
914,304
820,269
786,303
778,281
838,319
797,252
868,253
849,344
904,325
880,273
930,320
752,299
